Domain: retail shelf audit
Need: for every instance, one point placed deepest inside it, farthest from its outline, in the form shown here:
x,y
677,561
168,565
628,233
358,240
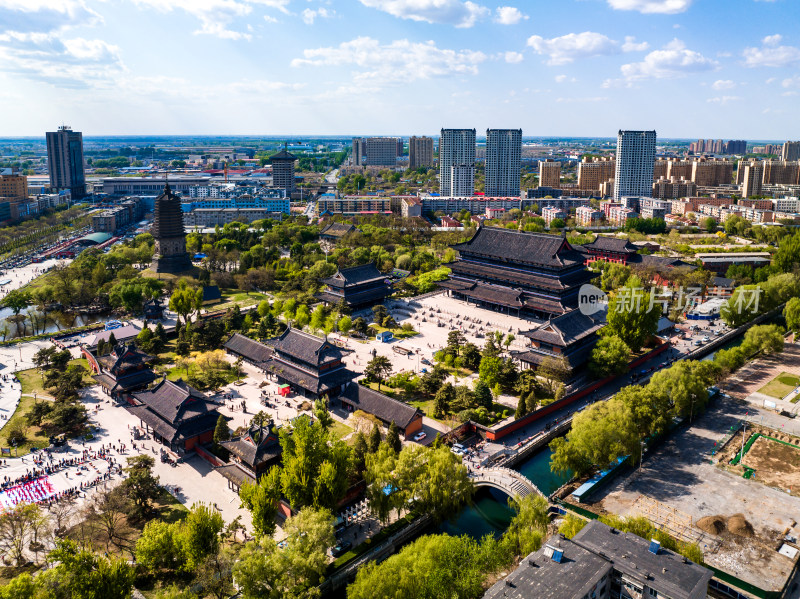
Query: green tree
x,y
393,438
710,224
609,357
614,275
483,395
792,314
360,451
522,408
442,400
435,479
314,470
160,547
470,356
571,525
374,438
221,433
261,500
378,369
382,491
80,574
528,527
489,370
140,485
764,338
322,415
553,371
200,533
266,572
185,300
630,315
345,324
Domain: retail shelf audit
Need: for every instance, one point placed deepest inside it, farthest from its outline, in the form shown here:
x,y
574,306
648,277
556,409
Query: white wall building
x,y
636,155
503,152
457,149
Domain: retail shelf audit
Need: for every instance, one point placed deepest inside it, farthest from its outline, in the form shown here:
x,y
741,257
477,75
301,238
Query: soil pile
x,y
738,525
713,525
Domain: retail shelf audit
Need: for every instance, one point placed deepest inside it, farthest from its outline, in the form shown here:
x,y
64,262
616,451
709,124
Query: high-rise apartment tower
x,y
420,152
636,155
457,162
503,154
65,160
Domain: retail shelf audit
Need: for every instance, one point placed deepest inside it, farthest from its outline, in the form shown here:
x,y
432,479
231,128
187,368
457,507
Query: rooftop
x,y
521,247
380,405
306,347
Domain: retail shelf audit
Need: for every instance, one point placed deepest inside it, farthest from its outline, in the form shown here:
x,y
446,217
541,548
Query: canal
x,y
489,513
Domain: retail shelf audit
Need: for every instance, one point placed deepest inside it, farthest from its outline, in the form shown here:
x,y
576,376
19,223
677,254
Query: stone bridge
x,y
509,481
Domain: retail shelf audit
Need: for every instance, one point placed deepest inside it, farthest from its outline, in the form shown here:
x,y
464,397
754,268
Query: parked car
x,y
341,548
706,339
420,436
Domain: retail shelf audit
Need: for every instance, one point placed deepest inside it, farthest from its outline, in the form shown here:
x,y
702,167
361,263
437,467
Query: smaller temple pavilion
x,y
177,414
358,287
358,397
248,350
253,454
311,365
609,249
571,337
123,371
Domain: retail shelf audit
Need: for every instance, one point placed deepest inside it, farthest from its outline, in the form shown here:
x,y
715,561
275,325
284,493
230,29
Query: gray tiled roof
x,y
337,229
611,244
175,400
306,347
520,246
255,352
256,446
356,275
380,405
566,329
319,385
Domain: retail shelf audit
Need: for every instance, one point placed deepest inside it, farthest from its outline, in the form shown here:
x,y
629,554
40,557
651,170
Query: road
x,y
332,177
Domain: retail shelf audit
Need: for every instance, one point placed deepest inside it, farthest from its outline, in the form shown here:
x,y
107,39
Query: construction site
x,y
743,515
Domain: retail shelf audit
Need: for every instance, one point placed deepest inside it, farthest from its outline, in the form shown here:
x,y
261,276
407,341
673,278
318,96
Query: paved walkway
x,y
10,394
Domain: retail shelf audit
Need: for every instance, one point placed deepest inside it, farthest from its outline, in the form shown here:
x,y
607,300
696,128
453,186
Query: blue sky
x,y
687,68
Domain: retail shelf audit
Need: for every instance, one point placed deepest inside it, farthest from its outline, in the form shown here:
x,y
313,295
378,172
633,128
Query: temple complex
x,y
518,272
358,287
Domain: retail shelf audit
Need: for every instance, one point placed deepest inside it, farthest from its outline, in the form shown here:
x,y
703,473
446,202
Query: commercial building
x,y
283,171
211,217
457,162
274,201
564,203
381,151
118,217
518,272
719,262
601,562
503,155
543,191
636,155
652,208
475,204
619,215
151,185
13,186
549,173
594,171
359,151
420,152
786,204
354,205
65,160
790,150
674,187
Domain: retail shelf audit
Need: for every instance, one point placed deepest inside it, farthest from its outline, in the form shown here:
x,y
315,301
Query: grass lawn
x,y
781,385
31,379
233,296
340,430
398,332
35,436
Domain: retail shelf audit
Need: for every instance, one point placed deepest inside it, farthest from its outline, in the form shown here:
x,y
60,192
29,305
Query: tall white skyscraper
x,y
503,152
457,149
636,155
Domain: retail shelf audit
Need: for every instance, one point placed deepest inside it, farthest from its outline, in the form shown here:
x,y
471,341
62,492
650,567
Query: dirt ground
x,y
753,376
776,464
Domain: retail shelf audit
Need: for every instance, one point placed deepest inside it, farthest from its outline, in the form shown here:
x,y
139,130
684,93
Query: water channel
x,y
490,513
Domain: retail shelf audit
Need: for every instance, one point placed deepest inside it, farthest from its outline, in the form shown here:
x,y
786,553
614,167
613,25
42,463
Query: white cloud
x,y
214,15
448,12
323,13
630,45
281,5
28,16
723,99
401,61
787,94
721,84
72,63
582,99
565,49
667,7
791,82
674,60
564,79
509,15
771,54
513,57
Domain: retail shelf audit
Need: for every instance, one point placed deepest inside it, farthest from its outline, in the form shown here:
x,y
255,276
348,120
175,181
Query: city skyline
x,y
276,67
